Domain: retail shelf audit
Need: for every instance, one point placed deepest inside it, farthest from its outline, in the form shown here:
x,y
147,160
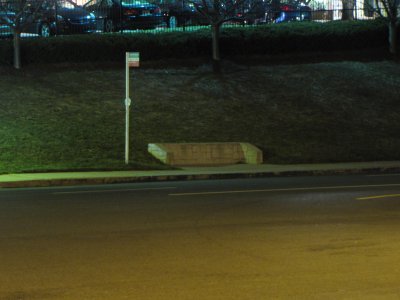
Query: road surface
x,y
265,238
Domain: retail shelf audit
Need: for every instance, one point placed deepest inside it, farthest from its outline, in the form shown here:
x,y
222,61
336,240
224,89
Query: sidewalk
x,y
193,173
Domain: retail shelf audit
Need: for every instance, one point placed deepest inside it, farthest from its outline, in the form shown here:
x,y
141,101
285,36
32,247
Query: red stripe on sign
x,y
133,64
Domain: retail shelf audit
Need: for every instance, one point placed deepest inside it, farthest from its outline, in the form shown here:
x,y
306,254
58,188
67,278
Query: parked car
x,y
292,12
180,12
244,12
56,17
5,30
261,12
252,12
115,15
184,12
66,17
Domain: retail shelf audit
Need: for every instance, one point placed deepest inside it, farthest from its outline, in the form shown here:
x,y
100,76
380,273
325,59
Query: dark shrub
x,y
268,39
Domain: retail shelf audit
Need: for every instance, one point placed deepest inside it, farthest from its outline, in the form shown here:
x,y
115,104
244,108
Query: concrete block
x,y
205,154
252,154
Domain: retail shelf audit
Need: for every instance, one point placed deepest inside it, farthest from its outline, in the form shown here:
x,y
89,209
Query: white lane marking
x,y
286,190
378,197
119,190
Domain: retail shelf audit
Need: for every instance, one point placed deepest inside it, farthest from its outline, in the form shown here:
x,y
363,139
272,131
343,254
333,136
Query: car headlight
x,y
90,16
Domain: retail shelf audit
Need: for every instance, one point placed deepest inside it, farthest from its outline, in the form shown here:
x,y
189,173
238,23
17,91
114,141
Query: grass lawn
x,y
54,118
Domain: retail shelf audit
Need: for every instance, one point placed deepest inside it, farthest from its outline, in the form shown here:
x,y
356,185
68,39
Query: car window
x,y
92,3
66,4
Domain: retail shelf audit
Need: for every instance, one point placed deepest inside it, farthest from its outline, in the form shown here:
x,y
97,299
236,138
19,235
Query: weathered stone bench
x,y
205,154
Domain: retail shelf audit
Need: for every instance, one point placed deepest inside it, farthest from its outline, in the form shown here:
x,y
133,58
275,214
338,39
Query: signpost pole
x,y
131,60
127,105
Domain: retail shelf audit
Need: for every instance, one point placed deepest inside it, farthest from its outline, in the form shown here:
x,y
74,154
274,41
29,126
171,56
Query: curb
x,y
149,178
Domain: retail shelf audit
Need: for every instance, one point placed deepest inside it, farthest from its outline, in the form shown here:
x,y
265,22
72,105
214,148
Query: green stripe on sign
x,y
133,56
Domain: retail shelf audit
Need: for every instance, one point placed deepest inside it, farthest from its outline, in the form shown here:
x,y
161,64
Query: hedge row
x,y
259,40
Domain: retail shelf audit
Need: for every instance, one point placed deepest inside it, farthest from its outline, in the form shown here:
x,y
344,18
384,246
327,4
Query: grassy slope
x,y
57,119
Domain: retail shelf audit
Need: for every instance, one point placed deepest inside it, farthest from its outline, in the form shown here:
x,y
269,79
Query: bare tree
x,y
218,12
389,9
18,15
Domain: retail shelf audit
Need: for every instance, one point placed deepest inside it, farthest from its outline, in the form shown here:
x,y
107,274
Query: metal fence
x,y
59,17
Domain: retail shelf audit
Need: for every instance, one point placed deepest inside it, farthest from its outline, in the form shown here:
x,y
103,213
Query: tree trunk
x,y
17,48
348,10
216,59
392,38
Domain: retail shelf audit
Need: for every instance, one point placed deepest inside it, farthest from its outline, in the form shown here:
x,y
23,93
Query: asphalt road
x,y
271,238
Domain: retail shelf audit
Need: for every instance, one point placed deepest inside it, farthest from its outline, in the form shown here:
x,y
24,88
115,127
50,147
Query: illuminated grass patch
x,y
74,119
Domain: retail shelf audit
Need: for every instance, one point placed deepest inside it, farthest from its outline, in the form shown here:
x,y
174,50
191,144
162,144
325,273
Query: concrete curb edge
x,y
152,178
